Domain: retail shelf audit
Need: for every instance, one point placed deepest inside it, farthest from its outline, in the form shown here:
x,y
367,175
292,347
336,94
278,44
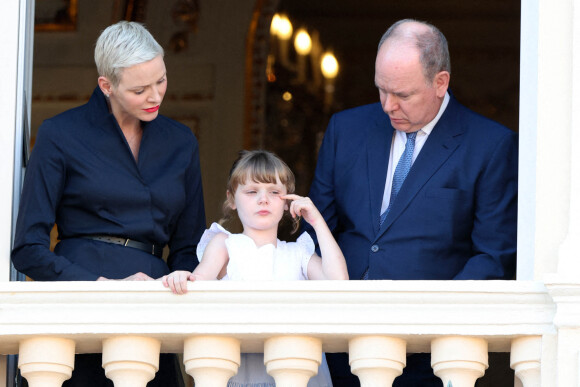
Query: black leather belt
x,y
156,250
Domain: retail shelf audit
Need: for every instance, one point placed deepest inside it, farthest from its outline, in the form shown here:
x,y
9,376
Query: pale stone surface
x,y
336,311
377,360
331,312
525,359
46,361
459,360
211,360
292,360
131,361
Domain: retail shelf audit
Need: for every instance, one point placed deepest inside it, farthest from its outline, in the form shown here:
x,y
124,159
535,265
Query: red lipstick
x,y
152,110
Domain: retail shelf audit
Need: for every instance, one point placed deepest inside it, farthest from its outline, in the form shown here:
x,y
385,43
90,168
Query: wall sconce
x,y
308,51
284,32
302,42
274,25
303,47
329,66
284,28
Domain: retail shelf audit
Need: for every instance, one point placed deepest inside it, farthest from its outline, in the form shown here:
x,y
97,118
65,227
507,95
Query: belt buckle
x,y
126,242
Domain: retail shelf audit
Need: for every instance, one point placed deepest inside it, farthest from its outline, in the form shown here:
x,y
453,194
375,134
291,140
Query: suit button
x,y
374,248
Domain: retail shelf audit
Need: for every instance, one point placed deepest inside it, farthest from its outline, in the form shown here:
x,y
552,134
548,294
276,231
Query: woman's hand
x,y
303,206
176,281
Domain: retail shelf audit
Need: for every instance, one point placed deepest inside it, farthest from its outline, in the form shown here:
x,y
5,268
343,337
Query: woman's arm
x,y
42,191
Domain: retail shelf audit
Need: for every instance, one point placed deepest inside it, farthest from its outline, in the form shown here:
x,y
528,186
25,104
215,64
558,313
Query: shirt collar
x,y
99,109
429,127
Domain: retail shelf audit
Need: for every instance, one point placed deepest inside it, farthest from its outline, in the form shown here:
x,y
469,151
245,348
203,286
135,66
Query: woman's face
x,y
140,91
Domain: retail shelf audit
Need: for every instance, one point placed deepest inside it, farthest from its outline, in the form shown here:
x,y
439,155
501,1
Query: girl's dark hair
x,y
259,166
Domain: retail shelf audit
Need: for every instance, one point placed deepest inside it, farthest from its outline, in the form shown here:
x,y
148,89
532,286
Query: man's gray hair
x,y
123,45
432,46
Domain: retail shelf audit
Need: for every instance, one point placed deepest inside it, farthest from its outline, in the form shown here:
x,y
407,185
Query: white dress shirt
x,y
398,147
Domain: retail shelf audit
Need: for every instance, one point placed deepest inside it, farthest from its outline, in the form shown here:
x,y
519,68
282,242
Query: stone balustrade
x,y
376,322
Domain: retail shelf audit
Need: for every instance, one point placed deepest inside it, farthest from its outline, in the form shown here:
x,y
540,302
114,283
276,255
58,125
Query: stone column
x,y
569,258
211,360
292,360
46,361
459,360
131,361
377,360
525,359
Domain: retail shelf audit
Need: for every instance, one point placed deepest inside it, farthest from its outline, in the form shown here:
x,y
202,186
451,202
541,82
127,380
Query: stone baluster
x,y
525,359
459,360
131,361
292,360
211,360
46,361
377,360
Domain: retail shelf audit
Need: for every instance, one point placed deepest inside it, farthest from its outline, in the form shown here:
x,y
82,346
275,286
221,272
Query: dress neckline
x,y
244,236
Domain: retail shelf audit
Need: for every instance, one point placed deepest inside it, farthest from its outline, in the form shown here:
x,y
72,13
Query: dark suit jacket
x,y
455,215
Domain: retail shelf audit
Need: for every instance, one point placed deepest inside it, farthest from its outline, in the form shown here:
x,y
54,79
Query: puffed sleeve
x,y
306,247
207,237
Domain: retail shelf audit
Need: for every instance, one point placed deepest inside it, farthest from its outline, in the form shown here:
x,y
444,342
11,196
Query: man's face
x,y
410,101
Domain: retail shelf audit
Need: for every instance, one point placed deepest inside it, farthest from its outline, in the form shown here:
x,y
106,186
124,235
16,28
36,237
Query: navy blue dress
x,y
82,176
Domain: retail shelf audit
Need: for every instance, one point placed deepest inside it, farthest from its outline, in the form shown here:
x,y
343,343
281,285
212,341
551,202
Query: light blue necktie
x,y
401,172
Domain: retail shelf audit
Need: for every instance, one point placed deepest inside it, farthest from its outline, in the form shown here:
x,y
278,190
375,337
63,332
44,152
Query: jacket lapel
x,y
378,149
442,142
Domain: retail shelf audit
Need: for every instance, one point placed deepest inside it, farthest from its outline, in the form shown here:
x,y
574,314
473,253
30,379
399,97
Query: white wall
x,y
547,214
13,112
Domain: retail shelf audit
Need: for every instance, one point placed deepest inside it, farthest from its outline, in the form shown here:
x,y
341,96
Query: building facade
x,y
536,318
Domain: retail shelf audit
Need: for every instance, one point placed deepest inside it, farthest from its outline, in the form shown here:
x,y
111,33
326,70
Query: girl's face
x,y
140,91
259,205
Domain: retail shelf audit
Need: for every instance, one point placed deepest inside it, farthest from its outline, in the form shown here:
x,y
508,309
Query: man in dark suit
x,y
451,216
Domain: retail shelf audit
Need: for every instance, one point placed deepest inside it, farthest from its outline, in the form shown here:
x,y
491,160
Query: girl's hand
x,y
303,206
196,277
333,266
176,281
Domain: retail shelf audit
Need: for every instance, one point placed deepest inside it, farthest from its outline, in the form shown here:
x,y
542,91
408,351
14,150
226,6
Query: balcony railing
x,y
376,322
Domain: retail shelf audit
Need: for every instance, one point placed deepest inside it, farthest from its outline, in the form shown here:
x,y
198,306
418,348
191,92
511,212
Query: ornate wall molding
x,y
257,48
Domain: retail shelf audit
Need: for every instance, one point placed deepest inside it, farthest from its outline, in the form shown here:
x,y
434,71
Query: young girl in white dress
x,y
261,191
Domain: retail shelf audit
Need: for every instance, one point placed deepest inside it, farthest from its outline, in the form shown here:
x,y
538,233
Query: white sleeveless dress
x,y
286,261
